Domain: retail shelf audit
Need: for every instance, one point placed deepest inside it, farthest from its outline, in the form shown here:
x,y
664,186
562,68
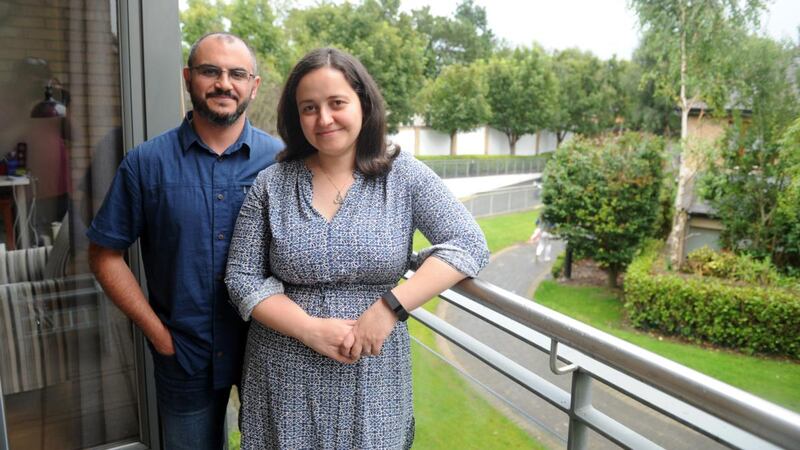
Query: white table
x,y
21,200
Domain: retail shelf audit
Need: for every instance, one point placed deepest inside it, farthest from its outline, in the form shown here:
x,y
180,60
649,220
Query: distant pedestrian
x,y
543,240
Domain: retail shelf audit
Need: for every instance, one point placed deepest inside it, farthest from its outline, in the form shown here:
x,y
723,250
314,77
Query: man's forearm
x,y
121,287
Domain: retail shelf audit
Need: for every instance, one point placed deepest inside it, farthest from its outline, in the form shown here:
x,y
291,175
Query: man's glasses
x,y
214,73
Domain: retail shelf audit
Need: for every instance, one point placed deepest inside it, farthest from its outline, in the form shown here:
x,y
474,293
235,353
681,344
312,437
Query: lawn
x,y
501,231
773,379
449,412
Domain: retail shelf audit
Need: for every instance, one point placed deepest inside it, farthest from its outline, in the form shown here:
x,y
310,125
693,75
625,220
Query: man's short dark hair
x,y
227,37
373,157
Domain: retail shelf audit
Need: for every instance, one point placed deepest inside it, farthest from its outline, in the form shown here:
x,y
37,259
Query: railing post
x,y
580,398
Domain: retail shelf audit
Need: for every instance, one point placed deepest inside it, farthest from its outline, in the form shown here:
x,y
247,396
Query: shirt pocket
x,y
238,192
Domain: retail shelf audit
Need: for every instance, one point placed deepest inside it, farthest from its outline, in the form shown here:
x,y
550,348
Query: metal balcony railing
x,y
504,201
462,168
694,401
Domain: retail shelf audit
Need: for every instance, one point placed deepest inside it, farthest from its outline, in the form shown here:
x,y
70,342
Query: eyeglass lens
x,y
214,72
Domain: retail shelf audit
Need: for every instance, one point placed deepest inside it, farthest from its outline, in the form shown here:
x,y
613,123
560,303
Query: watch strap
x,y
395,305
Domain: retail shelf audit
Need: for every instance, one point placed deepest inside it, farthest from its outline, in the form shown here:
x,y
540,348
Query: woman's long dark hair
x,y
373,158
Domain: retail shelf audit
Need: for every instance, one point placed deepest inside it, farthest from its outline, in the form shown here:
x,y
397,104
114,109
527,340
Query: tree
x,y
601,196
263,111
455,101
584,96
632,102
375,33
255,22
649,112
788,211
751,168
461,40
522,93
200,17
693,43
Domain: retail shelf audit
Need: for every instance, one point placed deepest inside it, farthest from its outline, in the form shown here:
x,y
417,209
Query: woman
x,y
322,239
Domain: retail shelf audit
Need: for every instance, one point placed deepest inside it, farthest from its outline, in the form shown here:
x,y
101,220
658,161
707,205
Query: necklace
x,y
339,199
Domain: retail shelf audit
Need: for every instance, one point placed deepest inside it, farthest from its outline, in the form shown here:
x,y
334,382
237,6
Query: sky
x,y
605,27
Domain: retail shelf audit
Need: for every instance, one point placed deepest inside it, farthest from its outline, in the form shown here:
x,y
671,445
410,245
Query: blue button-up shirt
x,y
182,200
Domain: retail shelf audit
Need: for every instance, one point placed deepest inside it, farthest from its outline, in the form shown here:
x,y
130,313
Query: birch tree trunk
x,y
679,221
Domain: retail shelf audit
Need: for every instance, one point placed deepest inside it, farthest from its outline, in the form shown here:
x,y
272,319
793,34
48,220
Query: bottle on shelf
x,y
22,158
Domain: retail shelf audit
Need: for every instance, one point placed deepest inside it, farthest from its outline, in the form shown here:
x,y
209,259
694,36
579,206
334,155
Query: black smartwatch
x,y
395,306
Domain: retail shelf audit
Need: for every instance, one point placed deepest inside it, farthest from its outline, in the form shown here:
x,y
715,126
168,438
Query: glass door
x,y
67,364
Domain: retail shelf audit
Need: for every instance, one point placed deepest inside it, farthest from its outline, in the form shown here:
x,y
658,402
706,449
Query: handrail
x,y
759,417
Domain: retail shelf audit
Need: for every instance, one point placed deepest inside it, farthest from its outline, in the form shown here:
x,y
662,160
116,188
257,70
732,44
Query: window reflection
x,y
66,353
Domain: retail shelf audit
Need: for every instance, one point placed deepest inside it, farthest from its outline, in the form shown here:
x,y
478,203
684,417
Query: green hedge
x,y
748,317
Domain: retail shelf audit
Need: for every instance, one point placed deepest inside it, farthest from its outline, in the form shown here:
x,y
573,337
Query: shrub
x,y
746,268
751,317
558,266
602,196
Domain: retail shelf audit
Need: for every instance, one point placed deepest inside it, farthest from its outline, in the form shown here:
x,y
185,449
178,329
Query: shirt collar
x,y
189,138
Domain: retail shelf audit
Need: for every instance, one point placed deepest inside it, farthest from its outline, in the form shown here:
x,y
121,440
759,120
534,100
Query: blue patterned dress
x,y
293,397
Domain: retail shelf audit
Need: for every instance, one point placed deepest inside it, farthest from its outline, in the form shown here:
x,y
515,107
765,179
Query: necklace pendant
x,y
338,200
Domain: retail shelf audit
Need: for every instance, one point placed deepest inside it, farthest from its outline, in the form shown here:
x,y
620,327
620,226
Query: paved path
x,y
516,270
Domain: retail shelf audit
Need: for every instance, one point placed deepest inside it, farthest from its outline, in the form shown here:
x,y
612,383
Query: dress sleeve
x,y
248,275
446,223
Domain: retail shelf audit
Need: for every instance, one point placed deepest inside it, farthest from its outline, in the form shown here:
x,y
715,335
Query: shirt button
x,y
220,196
221,236
220,277
219,354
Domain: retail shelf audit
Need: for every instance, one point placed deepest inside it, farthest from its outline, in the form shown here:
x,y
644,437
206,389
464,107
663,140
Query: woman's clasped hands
x,y
369,332
347,341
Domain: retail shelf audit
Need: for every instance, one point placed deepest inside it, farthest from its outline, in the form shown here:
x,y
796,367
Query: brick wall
x,y
74,41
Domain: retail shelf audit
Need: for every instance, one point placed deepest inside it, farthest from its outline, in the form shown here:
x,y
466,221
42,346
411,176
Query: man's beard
x,y
200,105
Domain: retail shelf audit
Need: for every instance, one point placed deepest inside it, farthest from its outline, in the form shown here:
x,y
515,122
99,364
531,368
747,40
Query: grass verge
x,y
772,379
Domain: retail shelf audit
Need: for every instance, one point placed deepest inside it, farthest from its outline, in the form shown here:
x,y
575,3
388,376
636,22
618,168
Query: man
x,y
180,194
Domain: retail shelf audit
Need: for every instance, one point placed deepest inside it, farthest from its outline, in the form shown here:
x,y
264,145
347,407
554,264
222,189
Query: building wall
x,y
405,139
484,140
498,142
706,128
472,142
702,232
432,142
